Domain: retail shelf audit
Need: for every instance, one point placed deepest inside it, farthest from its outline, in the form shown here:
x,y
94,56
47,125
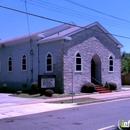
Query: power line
x,y
54,20
63,10
75,3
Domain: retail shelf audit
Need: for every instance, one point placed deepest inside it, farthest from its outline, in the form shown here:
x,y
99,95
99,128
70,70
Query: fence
x,y
125,79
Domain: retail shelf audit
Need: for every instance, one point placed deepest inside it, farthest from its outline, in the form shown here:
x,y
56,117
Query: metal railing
x,y
97,81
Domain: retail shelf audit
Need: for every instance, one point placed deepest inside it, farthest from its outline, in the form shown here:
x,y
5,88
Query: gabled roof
x,y
35,36
64,31
66,34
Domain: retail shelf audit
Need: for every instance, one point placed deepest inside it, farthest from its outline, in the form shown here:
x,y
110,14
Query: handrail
x,y
97,81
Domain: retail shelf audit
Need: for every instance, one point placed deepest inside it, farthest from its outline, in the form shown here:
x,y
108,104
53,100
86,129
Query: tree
x,y
125,63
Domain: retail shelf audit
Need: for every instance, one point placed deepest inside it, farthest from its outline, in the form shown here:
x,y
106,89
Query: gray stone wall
x,y
88,43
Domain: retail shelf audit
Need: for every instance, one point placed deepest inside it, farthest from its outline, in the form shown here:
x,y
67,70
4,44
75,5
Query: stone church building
x,y
73,54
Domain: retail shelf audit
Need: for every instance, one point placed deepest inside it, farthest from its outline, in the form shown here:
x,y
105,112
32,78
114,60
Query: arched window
x,y
78,62
10,67
24,62
111,64
49,63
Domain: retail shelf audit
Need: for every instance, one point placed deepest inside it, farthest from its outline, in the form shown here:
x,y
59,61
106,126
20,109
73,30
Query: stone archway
x,y
96,69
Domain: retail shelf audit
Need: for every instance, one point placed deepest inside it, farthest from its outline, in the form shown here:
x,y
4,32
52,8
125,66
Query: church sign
x,y
47,81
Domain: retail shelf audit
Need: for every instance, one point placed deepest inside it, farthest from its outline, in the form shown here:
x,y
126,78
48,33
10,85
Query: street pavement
x,y
14,106
95,116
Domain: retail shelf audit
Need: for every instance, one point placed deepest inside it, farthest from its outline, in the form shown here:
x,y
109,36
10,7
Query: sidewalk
x,y
8,110
103,96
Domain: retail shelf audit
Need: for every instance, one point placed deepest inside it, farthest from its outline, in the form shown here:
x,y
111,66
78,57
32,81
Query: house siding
x,y
56,49
17,76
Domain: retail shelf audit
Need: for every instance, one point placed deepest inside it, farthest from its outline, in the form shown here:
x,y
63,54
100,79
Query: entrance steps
x,y
102,89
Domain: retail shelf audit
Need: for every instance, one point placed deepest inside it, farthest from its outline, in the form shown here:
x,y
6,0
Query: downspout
x,y
38,60
31,53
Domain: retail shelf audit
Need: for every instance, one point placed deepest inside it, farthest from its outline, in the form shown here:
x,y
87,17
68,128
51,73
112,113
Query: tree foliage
x,y
125,63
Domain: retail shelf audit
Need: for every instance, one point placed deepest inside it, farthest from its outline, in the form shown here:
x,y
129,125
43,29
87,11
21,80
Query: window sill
x,y
10,71
110,72
24,70
78,72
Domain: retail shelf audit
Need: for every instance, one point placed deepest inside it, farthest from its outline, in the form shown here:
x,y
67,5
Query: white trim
x,y
41,34
78,64
119,45
109,62
22,62
107,33
46,63
11,64
54,39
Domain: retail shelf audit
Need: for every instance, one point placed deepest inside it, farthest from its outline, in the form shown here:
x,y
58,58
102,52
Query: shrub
x,y
34,88
111,85
107,85
49,92
88,88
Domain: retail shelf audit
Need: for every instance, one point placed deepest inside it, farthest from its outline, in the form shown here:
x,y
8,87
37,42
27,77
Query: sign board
x,y
47,81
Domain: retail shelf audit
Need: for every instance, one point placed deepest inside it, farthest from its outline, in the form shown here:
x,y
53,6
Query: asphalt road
x,y
98,116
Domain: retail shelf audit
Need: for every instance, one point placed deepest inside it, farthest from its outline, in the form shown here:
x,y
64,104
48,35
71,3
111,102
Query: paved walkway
x,y
23,106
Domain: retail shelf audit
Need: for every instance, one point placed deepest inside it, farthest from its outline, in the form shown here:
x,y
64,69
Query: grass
x,y
60,101
76,100
24,95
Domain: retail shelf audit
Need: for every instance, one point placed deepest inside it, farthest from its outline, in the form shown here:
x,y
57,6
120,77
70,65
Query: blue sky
x,y
14,24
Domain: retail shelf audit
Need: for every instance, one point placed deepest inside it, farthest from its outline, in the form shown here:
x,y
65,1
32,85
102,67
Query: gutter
x,y
54,39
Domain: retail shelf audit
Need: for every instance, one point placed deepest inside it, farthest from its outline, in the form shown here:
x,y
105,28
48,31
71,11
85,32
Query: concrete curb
x,y
102,100
80,103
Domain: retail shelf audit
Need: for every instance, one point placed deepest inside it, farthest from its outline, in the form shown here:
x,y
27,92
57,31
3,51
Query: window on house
x,y
78,63
110,63
24,62
49,63
10,67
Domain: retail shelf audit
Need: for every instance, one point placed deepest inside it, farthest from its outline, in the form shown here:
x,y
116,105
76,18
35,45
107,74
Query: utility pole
x,y
72,82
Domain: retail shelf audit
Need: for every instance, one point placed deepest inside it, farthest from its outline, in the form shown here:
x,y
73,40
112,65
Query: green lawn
x,y
78,100
71,100
23,95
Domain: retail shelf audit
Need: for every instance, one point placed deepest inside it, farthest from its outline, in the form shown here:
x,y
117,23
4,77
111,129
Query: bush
x,y
111,86
107,85
49,92
88,88
34,88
